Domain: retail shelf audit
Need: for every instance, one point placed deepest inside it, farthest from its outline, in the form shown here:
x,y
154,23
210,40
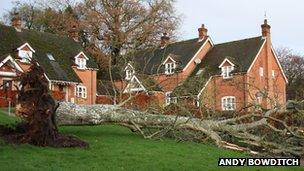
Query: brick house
x,y
227,76
71,73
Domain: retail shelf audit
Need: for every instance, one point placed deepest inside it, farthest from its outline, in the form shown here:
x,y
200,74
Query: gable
x,y
226,62
279,64
26,47
129,67
81,55
169,59
258,62
9,64
134,86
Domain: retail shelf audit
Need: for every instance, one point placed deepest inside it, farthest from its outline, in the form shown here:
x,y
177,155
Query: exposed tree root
x,y
37,108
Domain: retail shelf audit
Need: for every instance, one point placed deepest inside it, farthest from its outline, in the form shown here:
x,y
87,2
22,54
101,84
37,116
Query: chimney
x,y
74,34
16,22
265,29
202,32
164,40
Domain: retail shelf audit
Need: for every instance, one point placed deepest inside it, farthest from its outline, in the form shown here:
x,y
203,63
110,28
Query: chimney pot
x,y
202,32
16,22
265,29
164,40
74,34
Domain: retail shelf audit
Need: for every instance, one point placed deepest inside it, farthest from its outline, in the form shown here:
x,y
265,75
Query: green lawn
x,y
114,148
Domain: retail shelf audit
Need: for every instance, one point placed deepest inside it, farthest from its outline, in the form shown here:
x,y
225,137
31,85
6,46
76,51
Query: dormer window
x,y
227,67
25,52
81,60
170,64
170,68
226,71
129,71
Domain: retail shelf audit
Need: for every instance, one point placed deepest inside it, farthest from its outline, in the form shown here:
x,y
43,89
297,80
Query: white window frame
x,y
168,99
261,71
81,91
129,71
25,55
129,74
226,71
228,103
81,62
170,68
8,80
259,100
273,74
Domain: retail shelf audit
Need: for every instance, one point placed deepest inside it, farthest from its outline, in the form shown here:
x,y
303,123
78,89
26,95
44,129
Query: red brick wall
x,y
88,78
57,95
6,96
218,88
275,87
104,99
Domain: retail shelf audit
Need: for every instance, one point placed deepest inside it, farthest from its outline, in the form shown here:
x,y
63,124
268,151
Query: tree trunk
x,y
150,125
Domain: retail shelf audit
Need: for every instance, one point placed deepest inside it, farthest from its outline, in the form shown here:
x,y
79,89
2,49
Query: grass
x,y
114,148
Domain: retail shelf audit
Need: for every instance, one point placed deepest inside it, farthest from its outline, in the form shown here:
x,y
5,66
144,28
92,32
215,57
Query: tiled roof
x,y
150,61
62,48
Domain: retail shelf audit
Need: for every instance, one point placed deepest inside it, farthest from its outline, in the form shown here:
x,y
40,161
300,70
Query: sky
x,y
229,20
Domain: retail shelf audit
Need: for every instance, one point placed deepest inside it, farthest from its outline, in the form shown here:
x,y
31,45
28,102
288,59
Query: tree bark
x,y
216,130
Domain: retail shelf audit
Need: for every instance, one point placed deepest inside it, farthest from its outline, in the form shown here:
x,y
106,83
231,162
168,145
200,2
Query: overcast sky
x,y
229,20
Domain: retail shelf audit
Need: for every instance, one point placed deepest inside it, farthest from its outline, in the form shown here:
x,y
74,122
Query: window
x,y
129,71
7,84
228,103
25,55
259,100
259,97
169,68
129,74
226,71
50,56
81,62
261,71
169,99
273,74
200,71
81,91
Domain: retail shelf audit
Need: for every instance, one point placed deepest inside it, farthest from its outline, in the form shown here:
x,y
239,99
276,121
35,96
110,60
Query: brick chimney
x,y
16,22
265,29
268,70
74,33
202,32
164,40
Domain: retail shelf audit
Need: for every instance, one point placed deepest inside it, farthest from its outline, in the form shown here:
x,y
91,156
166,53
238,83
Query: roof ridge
x,y
35,31
48,34
239,40
186,40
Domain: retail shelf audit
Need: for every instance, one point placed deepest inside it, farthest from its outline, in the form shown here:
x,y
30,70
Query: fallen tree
x,y
253,133
260,134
